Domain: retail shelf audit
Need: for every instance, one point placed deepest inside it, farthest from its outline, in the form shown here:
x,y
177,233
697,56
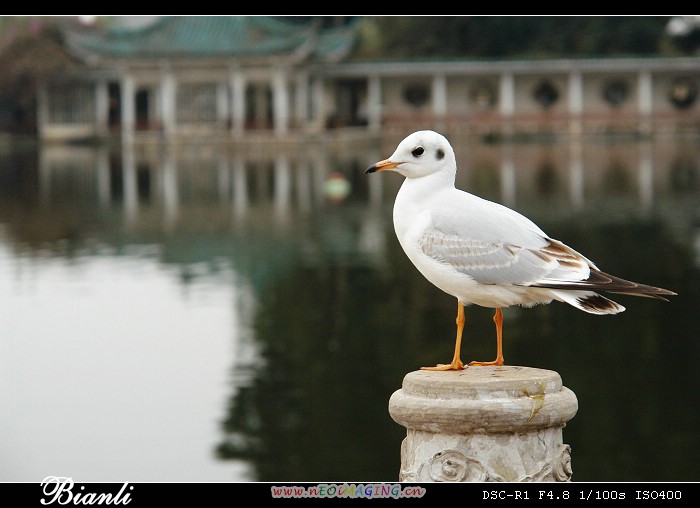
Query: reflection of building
x,y
236,77
283,184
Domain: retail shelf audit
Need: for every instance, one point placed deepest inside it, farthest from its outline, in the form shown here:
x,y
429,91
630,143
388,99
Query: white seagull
x,y
484,253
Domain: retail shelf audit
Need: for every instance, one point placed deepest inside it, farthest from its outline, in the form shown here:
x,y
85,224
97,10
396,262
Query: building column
x,y
128,105
440,96
167,103
222,107
237,102
374,103
575,102
506,105
280,102
318,102
101,108
645,104
506,95
301,100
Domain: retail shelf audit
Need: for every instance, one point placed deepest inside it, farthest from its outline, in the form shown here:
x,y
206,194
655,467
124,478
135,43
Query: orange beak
x,y
381,166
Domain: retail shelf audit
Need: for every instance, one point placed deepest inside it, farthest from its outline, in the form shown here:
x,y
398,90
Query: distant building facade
x,y
231,78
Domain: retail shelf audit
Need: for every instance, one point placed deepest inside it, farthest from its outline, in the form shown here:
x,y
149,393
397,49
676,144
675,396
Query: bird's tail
x,y
581,294
588,301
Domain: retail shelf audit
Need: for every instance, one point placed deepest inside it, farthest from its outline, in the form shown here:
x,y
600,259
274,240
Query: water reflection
x,y
94,347
215,309
163,179
141,179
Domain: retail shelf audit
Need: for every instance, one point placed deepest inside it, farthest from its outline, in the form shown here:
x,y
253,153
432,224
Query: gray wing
x,y
506,248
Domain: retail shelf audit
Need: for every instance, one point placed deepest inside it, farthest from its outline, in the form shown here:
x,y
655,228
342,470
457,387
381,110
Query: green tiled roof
x,y
224,36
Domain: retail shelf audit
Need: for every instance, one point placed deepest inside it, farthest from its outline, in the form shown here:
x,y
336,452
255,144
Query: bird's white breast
x,y
417,212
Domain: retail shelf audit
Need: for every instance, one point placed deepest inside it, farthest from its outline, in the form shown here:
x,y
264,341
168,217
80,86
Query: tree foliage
x,y
516,36
31,50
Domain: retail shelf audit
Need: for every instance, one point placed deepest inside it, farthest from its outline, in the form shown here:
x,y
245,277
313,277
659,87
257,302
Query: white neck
x,y
415,193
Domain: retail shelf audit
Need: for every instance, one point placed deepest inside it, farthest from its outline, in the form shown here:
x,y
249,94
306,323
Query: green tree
x,y
513,36
31,49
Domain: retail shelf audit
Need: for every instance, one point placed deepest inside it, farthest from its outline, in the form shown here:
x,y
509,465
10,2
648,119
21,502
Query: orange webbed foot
x,y
455,365
498,362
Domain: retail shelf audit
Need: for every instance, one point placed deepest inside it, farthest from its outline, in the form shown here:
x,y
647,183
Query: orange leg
x,y
498,319
456,362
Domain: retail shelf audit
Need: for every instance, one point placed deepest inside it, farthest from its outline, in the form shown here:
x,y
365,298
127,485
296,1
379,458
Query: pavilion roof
x,y
218,36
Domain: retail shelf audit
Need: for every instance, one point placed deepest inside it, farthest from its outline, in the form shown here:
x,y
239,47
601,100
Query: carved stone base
x,y
484,424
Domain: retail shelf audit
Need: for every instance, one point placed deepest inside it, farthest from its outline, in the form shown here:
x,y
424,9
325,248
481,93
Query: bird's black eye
x,y
440,153
418,151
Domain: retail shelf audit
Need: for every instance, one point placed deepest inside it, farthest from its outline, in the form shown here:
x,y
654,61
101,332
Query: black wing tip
x,y
598,304
656,295
602,281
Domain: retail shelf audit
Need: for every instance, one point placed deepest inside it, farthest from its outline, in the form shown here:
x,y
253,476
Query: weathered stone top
x,y
483,399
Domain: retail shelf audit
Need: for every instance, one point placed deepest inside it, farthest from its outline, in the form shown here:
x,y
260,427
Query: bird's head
x,y
421,153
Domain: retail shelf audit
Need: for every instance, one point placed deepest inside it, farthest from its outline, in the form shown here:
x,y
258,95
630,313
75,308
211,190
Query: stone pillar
x,y
484,424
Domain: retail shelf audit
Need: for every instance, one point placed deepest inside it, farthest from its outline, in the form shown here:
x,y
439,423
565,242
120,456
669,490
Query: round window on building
x,y
483,95
615,92
416,94
546,94
683,92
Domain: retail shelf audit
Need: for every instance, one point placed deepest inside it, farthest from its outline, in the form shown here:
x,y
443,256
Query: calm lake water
x,y
213,313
